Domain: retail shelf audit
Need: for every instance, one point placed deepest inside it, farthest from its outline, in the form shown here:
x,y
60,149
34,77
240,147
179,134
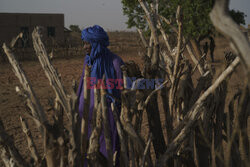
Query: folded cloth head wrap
x,y
95,34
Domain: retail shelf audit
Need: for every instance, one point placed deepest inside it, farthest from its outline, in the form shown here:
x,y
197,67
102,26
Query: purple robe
x,y
117,62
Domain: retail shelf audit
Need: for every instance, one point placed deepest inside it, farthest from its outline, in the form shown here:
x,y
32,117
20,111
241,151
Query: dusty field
x,y
12,106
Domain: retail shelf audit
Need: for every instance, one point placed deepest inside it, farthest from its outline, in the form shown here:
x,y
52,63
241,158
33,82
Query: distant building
x,y
11,24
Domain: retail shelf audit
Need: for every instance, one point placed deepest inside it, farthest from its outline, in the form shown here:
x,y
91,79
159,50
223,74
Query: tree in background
x,y
238,16
196,22
75,28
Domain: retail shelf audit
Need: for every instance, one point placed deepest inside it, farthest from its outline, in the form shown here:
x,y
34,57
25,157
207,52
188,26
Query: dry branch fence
x,y
198,130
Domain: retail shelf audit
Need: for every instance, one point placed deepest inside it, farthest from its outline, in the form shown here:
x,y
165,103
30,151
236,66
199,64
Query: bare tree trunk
x,y
106,127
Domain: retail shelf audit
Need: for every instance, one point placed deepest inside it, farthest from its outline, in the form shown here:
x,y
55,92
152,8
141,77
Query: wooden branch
x,y
187,44
225,24
95,109
85,117
30,141
239,125
156,6
74,151
194,114
121,134
150,47
231,139
149,18
142,38
152,7
196,65
153,29
7,159
194,59
131,152
125,76
50,70
178,43
131,131
8,146
32,101
169,64
128,127
94,138
62,150
169,23
174,77
146,149
153,92
208,143
244,110
106,125
14,40
67,102
164,35
93,150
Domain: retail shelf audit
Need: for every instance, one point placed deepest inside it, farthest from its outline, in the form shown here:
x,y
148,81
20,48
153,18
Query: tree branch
x,y
106,126
8,146
30,141
142,38
33,102
50,70
121,134
153,29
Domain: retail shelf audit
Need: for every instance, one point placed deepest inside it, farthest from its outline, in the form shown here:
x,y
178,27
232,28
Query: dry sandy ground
x,y
12,106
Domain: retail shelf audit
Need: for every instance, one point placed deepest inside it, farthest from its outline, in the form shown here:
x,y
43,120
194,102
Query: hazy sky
x,y
107,13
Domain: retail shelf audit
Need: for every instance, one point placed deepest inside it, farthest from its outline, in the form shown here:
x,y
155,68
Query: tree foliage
x,y
238,16
195,15
75,28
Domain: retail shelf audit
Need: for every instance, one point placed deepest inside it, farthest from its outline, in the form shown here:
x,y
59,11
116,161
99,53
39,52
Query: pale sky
x,y
107,13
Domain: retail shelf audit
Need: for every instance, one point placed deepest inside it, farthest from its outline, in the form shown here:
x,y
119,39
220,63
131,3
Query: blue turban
x,y
95,34
100,58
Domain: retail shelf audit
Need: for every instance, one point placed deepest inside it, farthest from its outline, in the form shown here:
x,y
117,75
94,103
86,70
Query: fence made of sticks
x,y
202,129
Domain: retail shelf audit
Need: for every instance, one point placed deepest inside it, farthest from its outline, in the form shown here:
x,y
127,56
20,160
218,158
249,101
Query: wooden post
x,y
85,117
106,126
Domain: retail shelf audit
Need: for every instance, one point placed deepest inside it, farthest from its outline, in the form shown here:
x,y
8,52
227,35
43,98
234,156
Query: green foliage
x,y
195,15
238,16
132,9
75,28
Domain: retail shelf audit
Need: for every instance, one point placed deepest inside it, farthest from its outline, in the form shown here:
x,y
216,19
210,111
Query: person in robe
x,y
102,62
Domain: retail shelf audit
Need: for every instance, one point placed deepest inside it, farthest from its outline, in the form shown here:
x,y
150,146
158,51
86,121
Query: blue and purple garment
x,y
102,61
